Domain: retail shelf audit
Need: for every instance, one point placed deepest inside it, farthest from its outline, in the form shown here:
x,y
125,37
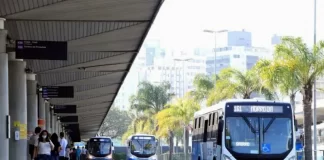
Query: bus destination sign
x,y
257,109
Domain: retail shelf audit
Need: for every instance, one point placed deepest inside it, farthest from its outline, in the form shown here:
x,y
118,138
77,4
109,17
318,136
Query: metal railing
x,y
175,156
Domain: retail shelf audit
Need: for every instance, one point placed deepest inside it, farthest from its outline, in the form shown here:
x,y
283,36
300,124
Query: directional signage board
x,y
42,50
57,92
65,109
69,119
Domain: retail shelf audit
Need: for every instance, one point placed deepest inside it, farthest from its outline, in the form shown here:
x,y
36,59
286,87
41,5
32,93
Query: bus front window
x,y
99,148
241,134
143,147
258,135
277,135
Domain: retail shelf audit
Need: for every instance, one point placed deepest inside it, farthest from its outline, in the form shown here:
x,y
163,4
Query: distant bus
x,y
100,148
141,146
244,130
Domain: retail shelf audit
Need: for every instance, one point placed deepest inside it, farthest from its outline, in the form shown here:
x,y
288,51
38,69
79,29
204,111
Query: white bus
x,y
245,129
100,148
141,147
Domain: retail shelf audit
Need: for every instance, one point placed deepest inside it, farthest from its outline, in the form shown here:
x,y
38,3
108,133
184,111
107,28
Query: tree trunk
x,y
292,101
134,127
171,136
177,145
246,96
307,106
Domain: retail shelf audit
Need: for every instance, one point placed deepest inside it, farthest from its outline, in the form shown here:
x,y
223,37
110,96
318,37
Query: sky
x,y
180,23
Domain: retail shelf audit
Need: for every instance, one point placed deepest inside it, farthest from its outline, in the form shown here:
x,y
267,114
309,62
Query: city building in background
x,y
234,49
179,72
157,63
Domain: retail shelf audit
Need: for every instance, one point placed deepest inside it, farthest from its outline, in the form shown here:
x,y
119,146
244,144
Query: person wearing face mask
x,y
43,147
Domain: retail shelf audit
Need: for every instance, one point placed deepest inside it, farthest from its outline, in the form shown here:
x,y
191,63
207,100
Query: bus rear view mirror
x,y
156,142
220,131
296,125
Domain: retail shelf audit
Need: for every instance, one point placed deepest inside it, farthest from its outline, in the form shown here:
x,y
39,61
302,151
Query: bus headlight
x,y
153,158
90,157
133,157
109,156
226,157
292,158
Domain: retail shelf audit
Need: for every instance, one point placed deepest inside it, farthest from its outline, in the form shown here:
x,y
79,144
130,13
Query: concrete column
x,y
48,116
41,110
17,108
32,111
54,123
57,126
4,94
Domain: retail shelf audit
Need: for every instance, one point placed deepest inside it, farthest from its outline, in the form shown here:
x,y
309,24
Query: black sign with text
x,y
68,119
65,109
57,92
43,50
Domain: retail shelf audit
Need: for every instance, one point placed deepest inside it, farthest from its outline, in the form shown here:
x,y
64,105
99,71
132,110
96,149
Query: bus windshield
x,y
258,134
143,145
99,147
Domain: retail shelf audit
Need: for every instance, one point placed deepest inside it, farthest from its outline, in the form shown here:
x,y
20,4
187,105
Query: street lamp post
x,y
314,112
185,133
215,36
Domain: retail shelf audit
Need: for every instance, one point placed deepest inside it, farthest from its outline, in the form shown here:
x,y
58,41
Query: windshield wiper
x,y
249,124
268,126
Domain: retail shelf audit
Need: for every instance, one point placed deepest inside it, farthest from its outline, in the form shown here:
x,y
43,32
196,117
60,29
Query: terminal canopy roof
x,y
103,36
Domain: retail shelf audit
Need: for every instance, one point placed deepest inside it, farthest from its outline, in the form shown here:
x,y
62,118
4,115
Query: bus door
x,y
205,135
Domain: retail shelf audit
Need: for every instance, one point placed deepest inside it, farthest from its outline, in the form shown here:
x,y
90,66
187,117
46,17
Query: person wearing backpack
x,y
43,147
57,147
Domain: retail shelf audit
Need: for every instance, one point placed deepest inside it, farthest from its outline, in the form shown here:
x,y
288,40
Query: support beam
x,y
48,116
17,107
32,103
4,93
41,111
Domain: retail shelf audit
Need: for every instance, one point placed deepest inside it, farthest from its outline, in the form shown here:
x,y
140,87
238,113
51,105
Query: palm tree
x,y
151,98
307,65
148,101
235,83
203,84
276,76
177,115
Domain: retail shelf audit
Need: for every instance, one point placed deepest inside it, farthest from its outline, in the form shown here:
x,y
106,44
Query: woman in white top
x,y
43,146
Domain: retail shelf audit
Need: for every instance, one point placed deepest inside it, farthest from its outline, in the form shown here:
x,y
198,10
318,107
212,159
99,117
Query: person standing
x,y
57,147
63,143
78,153
32,141
67,153
83,153
43,147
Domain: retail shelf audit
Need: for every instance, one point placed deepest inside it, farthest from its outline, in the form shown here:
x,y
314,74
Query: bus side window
x,y
201,130
195,131
210,127
215,125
